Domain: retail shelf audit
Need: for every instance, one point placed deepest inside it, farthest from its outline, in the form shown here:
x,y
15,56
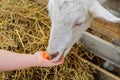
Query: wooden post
x,y
102,48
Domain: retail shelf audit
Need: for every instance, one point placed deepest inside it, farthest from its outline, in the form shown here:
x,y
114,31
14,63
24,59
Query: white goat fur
x,y
70,19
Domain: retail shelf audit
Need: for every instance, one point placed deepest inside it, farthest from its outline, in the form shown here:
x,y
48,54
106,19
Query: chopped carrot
x,y
45,55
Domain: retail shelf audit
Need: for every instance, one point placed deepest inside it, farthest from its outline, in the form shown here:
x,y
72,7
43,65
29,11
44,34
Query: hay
x,y
24,28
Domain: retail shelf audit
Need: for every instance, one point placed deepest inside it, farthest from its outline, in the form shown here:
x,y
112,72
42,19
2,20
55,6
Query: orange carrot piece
x,y
45,55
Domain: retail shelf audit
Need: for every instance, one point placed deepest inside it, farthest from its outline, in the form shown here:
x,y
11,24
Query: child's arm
x,y
13,61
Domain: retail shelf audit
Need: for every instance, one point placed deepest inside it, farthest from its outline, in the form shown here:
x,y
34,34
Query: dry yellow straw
x,y
20,38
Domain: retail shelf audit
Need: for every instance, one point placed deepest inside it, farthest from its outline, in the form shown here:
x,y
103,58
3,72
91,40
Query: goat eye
x,y
77,25
79,21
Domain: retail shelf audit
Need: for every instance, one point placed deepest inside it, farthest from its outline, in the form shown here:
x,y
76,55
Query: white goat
x,y
70,19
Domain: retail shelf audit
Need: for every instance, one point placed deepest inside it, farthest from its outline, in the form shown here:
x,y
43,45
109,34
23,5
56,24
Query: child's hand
x,y
45,62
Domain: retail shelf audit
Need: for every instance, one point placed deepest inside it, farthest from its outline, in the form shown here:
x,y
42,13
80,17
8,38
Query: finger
x,y
50,63
55,64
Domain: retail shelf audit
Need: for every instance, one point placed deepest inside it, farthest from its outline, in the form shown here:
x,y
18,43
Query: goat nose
x,y
52,56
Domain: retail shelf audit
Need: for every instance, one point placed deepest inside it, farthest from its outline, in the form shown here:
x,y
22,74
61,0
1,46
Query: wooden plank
x,y
102,48
103,74
106,28
116,42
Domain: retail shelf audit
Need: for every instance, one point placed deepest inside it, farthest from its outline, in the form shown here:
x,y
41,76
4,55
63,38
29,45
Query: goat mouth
x,y
56,55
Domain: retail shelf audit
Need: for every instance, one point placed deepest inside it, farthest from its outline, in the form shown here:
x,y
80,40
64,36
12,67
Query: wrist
x,y
38,59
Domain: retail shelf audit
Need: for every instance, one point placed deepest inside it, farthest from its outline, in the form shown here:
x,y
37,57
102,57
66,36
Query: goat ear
x,y
98,11
101,1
